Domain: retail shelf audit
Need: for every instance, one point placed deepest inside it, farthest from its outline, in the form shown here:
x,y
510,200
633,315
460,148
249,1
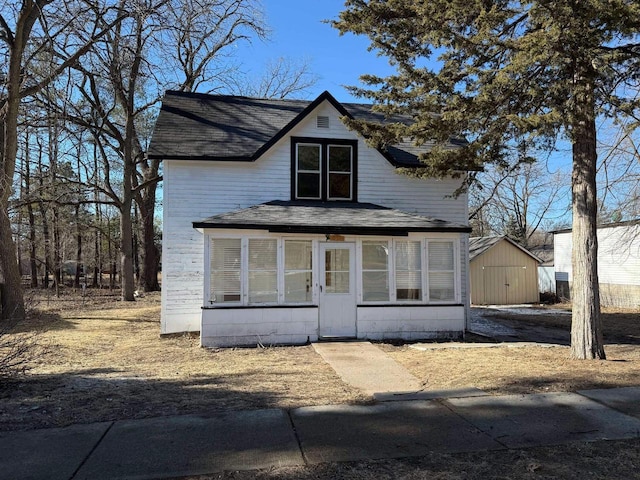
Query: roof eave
x,y
331,229
209,158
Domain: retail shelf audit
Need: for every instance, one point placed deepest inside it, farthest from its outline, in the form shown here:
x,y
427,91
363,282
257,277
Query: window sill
x,y
410,304
244,307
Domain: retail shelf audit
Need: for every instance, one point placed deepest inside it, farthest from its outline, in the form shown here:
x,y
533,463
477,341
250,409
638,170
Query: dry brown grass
x,y
108,362
529,369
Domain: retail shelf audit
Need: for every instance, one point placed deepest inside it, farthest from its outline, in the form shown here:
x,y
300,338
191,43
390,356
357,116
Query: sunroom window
x,y
441,271
263,270
298,271
375,271
225,270
408,270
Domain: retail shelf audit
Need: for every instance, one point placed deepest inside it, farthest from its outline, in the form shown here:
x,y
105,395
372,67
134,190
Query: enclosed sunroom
x,y
292,272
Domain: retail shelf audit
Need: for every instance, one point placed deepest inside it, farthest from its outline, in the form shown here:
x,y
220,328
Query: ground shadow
x,y
92,395
42,321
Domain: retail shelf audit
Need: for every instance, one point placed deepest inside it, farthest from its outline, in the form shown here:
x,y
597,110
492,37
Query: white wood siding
x,y
253,326
194,190
618,263
410,323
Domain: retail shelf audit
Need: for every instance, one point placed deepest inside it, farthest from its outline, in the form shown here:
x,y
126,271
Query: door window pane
x,y
408,271
337,270
298,263
375,271
225,270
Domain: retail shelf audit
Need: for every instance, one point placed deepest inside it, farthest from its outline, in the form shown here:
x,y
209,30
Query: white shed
x,y
618,263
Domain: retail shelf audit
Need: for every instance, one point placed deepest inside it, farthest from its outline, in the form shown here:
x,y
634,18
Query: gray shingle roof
x,y
198,126
328,218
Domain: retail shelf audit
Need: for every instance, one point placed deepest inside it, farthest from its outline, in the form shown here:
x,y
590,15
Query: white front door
x,y
337,290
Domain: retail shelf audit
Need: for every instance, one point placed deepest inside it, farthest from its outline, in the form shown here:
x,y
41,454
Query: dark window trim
x,y
324,180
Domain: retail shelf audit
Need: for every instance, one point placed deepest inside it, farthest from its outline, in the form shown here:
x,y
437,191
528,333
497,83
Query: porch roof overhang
x,y
342,218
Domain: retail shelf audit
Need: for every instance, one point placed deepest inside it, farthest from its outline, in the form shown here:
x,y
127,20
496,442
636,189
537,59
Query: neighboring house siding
x,y
546,279
502,265
194,190
618,264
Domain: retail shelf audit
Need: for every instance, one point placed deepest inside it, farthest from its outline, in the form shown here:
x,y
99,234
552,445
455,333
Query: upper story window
x,y
308,171
323,169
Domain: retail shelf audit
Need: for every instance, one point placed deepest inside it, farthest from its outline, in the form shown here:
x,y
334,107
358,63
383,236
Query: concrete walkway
x,y
189,445
366,367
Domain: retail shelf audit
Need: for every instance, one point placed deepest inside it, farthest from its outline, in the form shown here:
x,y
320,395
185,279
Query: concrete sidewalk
x,y
189,445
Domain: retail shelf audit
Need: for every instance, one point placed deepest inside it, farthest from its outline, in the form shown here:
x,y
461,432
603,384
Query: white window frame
x,y
390,271
281,271
278,260
422,298
456,270
319,171
207,278
390,241
244,271
329,172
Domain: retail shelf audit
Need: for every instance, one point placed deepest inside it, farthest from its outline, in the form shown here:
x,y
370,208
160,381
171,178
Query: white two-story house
x,y
282,226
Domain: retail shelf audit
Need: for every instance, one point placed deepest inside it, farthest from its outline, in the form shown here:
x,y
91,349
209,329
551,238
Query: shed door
x,y
337,315
504,285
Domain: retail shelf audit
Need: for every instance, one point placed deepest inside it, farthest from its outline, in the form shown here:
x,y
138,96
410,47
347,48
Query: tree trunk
x,y
47,245
150,260
76,279
586,330
136,245
97,239
57,247
12,299
126,252
33,266
150,255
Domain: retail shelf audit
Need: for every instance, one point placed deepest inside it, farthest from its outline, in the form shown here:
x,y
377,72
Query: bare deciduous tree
x,y
34,26
520,200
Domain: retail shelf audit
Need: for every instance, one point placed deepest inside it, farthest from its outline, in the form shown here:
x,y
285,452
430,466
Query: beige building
x,y
502,272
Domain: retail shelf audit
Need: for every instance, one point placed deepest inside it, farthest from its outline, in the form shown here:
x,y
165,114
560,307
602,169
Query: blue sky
x,y
298,32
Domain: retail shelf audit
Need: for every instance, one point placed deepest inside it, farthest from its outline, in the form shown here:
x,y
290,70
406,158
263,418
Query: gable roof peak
x,y
200,126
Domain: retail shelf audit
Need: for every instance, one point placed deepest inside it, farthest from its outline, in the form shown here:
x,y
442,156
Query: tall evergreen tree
x,y
511,76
